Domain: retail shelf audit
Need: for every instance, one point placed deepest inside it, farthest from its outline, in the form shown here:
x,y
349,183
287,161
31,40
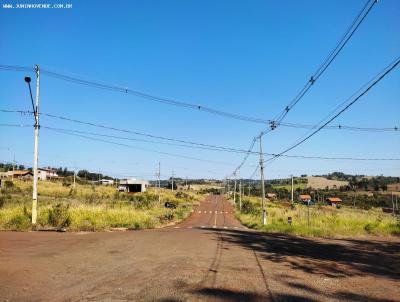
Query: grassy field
x,y
90,208
300,186
324,221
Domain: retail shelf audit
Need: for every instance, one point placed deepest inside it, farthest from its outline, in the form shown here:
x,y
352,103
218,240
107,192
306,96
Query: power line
x,y
341,127
248,152
378,78
328,61
138,148
126,90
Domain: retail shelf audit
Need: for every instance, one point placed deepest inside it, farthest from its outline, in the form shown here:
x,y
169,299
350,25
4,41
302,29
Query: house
x,y
21,174
304,198
334,201
133,185
106,182
45,174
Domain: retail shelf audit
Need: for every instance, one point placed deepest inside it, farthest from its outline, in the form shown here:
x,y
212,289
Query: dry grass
x,y
325,221
91,208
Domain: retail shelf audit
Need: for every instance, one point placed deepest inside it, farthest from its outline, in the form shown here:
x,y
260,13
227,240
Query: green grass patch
x,y
323,221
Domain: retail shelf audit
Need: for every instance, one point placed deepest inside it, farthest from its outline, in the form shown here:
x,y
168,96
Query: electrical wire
x,y
377,79
328,61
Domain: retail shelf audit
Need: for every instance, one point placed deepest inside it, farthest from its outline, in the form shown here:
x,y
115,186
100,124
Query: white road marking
x,y
216,212
210,212
225,227
176,227
203,226
214,226
226,212
235,227
190,227
199,212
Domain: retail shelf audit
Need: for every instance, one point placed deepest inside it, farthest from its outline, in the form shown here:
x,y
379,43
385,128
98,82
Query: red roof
x,y
334,199
304,196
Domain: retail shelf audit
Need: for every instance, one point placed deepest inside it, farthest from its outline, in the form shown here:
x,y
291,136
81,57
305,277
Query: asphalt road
x,y
208,257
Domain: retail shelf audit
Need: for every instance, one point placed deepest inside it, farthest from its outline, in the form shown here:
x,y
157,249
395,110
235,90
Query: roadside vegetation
x,y
318,220
89,207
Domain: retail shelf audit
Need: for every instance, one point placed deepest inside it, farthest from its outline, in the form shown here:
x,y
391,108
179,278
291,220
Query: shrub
x,y
19,223
59,216
8,184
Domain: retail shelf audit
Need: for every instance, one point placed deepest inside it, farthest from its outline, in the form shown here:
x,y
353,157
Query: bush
x,y
249,208
8,184
19,221
59,216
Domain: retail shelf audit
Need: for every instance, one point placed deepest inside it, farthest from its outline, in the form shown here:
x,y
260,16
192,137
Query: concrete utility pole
x,y
159,182
240,195
74,180
36,150
393,203
12,177
234,191
292,193
172,187
264,211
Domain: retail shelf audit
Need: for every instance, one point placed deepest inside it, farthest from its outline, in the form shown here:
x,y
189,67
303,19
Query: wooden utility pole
x,y
36,150
264,211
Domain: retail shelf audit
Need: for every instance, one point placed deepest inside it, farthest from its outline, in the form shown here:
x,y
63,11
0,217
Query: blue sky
x,y
247,57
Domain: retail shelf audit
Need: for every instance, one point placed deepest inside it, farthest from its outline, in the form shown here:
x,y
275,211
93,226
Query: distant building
x,y
106,182
304,198
334,201
45,174
21,174
133,185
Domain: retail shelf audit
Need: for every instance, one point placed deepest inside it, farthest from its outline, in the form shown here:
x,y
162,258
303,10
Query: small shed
x,y
304,198
133,185
333,201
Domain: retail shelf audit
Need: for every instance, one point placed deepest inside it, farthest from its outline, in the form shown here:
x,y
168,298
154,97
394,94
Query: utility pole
x,y
172,181
264,212
159,183
74,179
240,195
12,177
393,203
228,189
292,193
234,191
36,149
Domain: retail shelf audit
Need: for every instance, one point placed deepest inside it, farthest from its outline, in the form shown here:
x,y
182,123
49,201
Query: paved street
x,y
208,257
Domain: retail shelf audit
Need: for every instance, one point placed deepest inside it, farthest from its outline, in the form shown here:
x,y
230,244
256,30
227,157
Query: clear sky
x,y
246,57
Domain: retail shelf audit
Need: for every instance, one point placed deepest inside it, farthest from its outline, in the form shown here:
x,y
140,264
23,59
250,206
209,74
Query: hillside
x,y
317,182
